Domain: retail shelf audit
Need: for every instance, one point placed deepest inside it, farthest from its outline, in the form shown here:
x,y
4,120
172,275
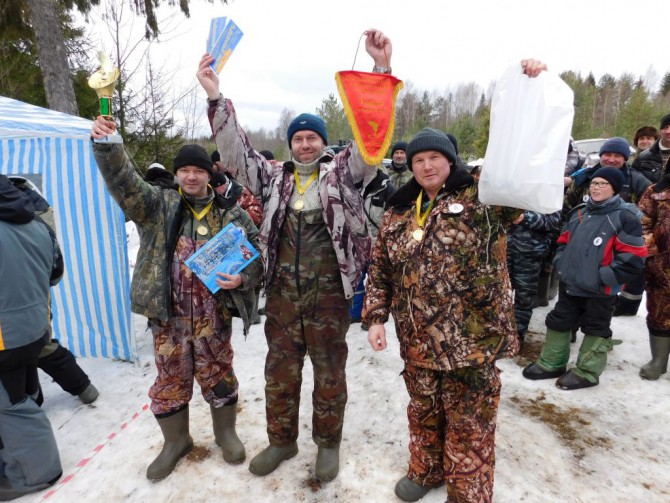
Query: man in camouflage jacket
x,y
191,326
315,243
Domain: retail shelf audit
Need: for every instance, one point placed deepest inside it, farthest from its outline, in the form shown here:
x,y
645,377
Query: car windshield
x,y
586,147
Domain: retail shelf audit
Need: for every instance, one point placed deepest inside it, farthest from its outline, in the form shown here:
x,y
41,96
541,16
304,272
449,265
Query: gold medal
x,y
202,230
299,205
418,234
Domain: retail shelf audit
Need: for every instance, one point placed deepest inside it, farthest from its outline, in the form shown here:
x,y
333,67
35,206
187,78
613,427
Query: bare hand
x,y
207,77
533,67
518,219
102,127
229,281
379,47
377,337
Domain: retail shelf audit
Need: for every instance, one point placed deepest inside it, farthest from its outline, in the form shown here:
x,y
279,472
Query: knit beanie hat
x,y
665,121
399,145
453,141
613,175
269,156
309,122
430,139
193,155
645,131
215,157
616,145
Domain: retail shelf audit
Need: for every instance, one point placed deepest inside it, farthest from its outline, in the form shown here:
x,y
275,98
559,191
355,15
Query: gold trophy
x,y
103,82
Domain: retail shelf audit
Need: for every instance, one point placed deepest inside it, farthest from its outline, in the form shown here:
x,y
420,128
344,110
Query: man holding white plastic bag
x,y
439,265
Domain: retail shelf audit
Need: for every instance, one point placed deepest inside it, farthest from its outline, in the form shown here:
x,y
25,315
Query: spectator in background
x,y
376,193
398,171
655,206
651,162
159,176
58,362
599,250
30,263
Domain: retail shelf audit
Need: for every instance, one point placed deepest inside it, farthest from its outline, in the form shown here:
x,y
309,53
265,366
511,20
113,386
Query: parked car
x,y
590,150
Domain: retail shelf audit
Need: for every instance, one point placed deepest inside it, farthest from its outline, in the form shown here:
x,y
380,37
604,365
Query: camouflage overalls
x,y
195,341
307,312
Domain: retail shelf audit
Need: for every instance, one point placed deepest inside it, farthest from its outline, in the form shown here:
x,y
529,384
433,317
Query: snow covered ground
x,y
609,443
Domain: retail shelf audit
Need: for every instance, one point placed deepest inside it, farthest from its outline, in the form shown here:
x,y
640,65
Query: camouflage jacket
x,y
655,207
400,177
273,184
450,293
158,215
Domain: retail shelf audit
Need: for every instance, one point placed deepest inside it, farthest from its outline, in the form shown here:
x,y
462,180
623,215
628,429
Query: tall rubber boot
x,y
178,443
591,362
553,358
327,463
542,299
660,349
223,419
271,457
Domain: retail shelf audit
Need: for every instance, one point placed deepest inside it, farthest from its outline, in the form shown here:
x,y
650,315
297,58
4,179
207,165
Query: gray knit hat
x,y
430,139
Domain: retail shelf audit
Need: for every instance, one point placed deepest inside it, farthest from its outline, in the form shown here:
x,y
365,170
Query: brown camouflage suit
x,y
451,301
191,327
655,207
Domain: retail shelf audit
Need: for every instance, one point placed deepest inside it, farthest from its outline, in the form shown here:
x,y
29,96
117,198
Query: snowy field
x,y
608,444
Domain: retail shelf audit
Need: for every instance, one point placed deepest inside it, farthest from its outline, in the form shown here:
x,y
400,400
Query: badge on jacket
x,y
455,208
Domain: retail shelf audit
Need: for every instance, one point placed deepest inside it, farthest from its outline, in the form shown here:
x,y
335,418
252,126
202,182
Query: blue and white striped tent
x,y
91,303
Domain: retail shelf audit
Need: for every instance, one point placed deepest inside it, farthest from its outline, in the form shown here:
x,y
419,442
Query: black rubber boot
x,y
271,457
178,443
225,435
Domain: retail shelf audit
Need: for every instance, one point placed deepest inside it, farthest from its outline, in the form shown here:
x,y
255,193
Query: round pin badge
x,y
455,208
585,198
598,241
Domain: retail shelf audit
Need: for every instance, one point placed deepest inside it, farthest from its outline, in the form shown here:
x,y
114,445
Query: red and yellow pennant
x,y
369,102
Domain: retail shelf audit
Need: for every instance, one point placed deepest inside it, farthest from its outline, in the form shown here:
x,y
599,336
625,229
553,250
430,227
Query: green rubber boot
x,y
553,358
591,362
660,349
223,420
271,457
178,443
327,463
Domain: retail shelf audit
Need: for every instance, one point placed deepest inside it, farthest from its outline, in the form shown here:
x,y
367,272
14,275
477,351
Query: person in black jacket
x,y
599,250
651,162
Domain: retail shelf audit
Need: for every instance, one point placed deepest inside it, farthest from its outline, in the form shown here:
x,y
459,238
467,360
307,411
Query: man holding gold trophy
x,y
191,326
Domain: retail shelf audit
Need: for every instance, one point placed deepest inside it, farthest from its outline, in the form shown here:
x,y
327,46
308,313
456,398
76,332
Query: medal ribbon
x,y
421,219
196,215
300,188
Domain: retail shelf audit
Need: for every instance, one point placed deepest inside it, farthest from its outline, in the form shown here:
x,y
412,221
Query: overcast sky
x,y
291,49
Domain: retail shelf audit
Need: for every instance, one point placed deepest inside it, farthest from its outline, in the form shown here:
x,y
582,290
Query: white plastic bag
x,y
531,121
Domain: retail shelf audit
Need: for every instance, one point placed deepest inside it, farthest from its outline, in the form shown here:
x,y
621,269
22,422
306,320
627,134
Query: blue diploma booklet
x,y
229,252
224,35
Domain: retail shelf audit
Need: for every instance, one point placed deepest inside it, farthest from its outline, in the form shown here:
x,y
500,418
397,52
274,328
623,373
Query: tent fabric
x,y
92,303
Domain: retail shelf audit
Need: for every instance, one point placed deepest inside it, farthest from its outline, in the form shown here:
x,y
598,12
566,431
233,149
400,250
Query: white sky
x,y
292,48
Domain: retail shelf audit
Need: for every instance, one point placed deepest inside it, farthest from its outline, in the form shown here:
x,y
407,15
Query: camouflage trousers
x,y
658,315
314,324
185,348
452,424
524,272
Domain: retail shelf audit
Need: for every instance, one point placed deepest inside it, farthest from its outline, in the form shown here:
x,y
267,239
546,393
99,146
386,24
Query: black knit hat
x,y
613,175
193,155
430,139
269,156
399,145
665,121
645,131
453,141
215,156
